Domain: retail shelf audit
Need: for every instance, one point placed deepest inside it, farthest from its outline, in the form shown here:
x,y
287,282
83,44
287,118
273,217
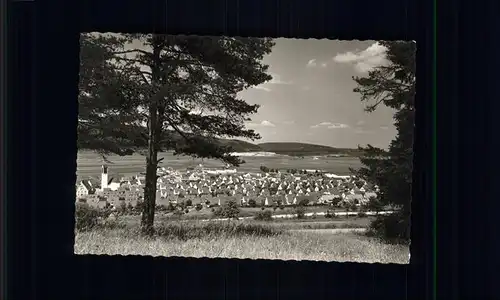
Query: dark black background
x,y
43,74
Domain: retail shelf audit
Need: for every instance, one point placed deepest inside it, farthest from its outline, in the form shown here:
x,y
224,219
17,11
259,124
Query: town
x,y
205,187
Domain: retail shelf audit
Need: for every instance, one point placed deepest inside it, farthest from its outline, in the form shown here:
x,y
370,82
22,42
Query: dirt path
x,y
330,231
289,216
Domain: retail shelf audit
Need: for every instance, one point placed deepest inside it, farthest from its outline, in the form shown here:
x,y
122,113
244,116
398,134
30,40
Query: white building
x,y
113,185
84,188
329,175
104,177
107,183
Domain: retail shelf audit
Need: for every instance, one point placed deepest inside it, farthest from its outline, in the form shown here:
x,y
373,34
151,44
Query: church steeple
x,y
104,177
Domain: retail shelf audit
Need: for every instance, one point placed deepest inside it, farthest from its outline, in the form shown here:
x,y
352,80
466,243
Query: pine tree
x,y
180,93
102,115
392,85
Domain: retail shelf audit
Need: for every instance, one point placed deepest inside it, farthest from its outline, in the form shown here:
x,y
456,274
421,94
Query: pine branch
x,y
129,60
131,51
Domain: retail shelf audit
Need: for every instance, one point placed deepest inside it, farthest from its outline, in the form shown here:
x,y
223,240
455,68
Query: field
x,y
89,163
317,239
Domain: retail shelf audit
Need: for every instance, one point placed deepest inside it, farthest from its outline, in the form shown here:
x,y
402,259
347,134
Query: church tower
x,y
104,177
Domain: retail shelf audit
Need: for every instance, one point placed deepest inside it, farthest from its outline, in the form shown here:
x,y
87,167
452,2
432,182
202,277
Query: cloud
x,y
338,126
264,123
306,88
311,63
384,127
360,123
330,125
321,124
289,122
345,57
263,88
276,80
364,60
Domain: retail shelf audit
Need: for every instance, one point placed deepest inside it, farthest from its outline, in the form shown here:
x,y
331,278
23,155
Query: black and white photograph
x,y
245,147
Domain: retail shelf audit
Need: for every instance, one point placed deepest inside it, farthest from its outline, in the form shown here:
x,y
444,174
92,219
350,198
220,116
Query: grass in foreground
x,y
239,240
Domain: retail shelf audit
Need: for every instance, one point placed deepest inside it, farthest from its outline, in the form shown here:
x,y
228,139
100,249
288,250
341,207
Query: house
x,y
131,198
369,195
113,199
194,177
113,184
162,201
354,198
84,188
356,190
135,181
92,199
325,198
100,202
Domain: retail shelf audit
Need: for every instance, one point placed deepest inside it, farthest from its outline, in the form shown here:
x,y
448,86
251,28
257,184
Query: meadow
x,y
89,163
312,239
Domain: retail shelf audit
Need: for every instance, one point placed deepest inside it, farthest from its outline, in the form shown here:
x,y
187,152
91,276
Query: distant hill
x,y
284,148
237,145
303,149
241,146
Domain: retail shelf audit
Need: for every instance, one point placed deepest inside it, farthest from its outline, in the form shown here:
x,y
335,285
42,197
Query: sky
x,y
310,98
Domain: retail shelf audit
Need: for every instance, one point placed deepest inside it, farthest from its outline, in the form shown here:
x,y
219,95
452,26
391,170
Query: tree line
x,y
392,85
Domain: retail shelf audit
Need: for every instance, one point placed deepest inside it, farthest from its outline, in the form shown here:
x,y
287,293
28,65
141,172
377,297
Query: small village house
x,y
84,188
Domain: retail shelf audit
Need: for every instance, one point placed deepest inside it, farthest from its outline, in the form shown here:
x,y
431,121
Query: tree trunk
x,y
154,133
148,213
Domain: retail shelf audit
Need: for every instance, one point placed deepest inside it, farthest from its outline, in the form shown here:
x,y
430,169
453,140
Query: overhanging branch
x,y
131,51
